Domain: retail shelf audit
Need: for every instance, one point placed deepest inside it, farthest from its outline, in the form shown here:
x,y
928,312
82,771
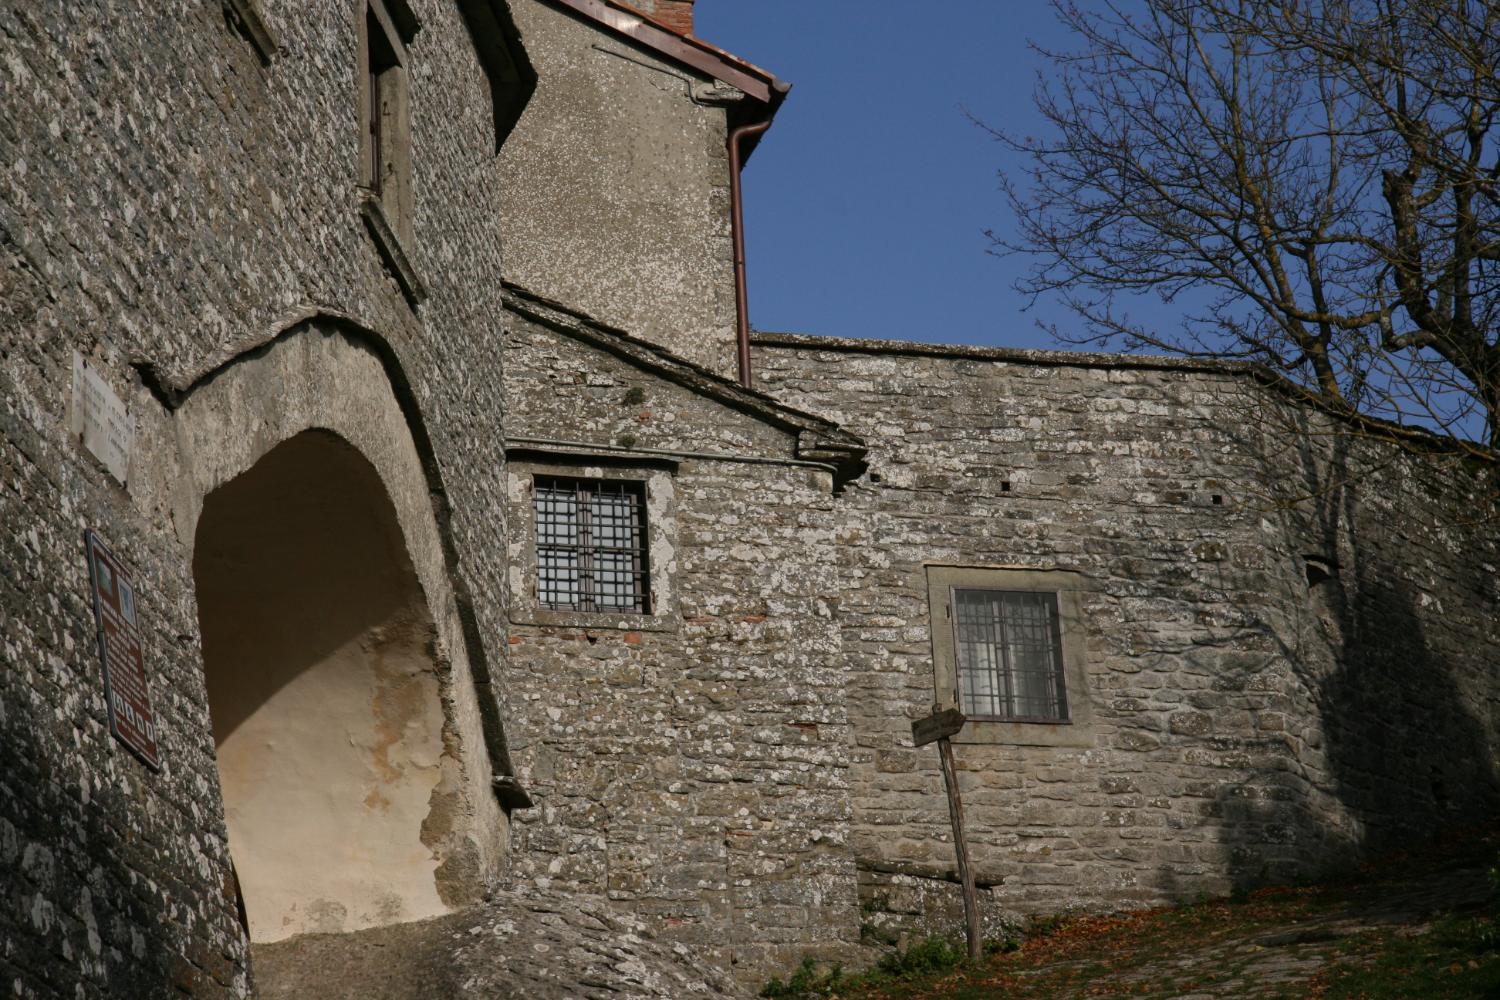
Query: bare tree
x,y
1315,182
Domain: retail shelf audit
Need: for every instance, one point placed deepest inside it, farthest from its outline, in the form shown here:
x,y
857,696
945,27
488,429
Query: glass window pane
x,y
1008,653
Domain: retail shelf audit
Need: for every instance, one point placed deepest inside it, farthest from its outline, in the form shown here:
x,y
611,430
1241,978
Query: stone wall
x,y
1288,629
169,203
615,187
692,764
1246,725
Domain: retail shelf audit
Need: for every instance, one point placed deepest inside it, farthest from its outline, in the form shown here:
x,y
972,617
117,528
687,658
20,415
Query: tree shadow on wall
x,y
1407,750
1398,750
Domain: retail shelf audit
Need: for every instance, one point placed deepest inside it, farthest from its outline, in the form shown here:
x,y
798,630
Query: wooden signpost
x,y
941,724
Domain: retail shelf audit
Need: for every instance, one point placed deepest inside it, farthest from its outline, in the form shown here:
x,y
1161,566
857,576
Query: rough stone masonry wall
x,y
616,188
1232,741
1398,630
166,199
694,768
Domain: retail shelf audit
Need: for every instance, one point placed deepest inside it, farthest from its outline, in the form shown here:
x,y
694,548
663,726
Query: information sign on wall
x,y
98,418
131,719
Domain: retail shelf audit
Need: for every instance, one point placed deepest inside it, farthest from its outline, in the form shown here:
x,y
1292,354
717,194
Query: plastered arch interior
x,y
346,719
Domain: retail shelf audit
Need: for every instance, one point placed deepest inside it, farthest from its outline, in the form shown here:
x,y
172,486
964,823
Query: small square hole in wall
x,y
1005,486
1218,499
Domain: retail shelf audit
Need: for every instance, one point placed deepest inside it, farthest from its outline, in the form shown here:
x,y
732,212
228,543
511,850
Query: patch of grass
x,y
1458,957
1452,961
925,959
1041,926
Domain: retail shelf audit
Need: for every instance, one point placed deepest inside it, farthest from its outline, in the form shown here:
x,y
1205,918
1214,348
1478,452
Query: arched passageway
x,y
324,692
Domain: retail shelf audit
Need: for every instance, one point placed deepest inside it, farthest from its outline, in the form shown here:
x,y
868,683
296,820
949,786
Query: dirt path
x,y
1404,921
524,943
1413,927
1286,958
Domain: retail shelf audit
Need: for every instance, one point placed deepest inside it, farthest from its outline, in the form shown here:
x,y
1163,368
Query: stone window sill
x,y
389,245
594,620
1027,734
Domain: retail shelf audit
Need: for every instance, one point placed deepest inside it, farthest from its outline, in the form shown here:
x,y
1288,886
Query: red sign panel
x,y
125,693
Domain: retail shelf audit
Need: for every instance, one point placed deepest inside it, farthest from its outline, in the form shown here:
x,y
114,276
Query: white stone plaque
x,y
99,419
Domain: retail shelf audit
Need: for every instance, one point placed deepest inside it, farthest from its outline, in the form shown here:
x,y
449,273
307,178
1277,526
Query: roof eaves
x,y
695,53
817,438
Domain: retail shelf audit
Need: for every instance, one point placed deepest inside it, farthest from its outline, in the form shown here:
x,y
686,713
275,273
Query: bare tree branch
x,y
1319,179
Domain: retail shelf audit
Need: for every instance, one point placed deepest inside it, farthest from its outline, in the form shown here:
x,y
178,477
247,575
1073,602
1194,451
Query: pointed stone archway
x,y
352,719
324,693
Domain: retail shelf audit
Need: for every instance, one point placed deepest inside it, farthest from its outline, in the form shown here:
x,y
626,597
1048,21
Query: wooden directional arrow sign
x,y
936,726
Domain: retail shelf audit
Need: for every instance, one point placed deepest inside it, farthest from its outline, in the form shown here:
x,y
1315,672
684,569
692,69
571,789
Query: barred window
x,y
591,545
1009,655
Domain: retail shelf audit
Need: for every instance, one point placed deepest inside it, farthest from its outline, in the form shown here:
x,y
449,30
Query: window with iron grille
x,y
591,545
1008,651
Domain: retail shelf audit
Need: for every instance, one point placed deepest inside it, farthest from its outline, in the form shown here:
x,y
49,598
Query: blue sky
x,y
867,202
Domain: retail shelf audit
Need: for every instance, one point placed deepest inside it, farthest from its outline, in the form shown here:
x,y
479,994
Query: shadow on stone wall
x,y
1408,751
83,933
1398,751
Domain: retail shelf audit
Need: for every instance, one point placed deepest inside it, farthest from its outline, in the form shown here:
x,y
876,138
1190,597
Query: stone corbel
x,y
844,452
716,92
245,17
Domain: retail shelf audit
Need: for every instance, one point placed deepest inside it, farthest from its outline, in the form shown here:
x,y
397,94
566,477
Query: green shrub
x,y
935,954
1003,946
930,956
806,981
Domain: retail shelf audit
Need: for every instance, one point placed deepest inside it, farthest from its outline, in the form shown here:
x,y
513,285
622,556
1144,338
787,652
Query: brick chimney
x,y
675,14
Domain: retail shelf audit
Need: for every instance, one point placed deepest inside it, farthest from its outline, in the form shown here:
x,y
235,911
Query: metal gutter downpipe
x,y
737,219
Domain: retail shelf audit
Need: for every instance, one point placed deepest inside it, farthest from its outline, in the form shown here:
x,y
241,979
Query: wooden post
x,y
961,847
938,726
